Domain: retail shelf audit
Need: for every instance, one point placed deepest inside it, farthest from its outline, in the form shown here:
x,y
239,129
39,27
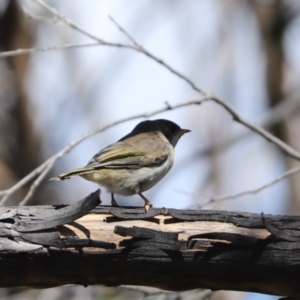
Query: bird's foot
x,y
147,206
113,201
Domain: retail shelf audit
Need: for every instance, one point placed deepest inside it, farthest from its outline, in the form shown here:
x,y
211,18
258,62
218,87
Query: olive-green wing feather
x,y
75,172
134,152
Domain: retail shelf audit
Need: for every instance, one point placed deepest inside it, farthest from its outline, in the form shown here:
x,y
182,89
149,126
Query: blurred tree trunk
x,y
22,145
274,19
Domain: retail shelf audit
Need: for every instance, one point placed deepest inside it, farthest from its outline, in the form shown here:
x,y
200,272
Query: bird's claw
x,y
113,201
147,206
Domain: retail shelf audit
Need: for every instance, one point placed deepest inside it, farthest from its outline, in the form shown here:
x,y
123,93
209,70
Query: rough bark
x,y
42,246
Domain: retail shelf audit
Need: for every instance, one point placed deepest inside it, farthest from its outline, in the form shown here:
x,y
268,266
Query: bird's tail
x,y
75,172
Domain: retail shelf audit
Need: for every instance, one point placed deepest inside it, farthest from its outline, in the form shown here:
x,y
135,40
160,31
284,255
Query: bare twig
x,y
288,107
141,49
264,133
37,182
5,194
243,193
33,16
135,46
286,149
133,41
33,50
67,21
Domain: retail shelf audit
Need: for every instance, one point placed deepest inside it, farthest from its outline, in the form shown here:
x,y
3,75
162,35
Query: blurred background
x,y
246,52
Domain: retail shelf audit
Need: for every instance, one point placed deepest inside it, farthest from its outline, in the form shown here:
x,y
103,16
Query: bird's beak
x,y
183,131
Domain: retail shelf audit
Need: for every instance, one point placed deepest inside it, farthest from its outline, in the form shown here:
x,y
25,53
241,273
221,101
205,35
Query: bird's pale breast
x,y
127,181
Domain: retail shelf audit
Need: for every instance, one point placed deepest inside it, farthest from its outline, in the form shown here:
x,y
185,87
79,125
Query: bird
x,y
135,163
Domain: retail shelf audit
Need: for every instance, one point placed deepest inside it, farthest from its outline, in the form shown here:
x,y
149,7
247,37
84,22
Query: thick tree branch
x,y
165,248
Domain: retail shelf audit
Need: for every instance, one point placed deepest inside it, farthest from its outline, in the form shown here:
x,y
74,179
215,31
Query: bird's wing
x,y
134,152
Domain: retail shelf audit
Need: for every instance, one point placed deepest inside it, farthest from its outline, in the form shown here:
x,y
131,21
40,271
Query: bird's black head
x,y
168,128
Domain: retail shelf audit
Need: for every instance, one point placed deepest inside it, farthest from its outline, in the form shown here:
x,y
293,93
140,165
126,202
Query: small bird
x,y
135,163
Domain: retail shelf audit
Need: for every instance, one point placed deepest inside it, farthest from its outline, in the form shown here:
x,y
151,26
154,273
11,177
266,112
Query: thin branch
x,y
135,46
8,192
33,50
288,107
134,42
141,49
67,21
33,16
285,148
243,193
256,190
256,128
36,183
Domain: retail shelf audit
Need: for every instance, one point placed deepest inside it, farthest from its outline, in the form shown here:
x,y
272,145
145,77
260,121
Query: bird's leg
x,y
148,204
113,200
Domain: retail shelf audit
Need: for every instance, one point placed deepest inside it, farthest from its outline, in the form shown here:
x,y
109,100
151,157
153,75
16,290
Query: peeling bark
x,y
43,246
